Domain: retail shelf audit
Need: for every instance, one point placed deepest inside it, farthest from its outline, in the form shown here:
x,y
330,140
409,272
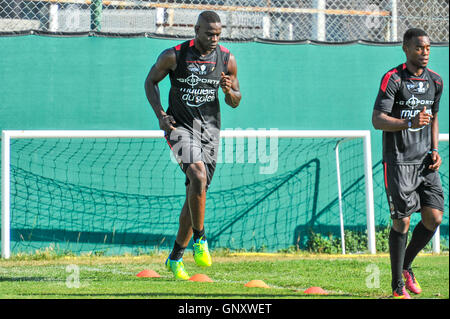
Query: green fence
x,y
97,83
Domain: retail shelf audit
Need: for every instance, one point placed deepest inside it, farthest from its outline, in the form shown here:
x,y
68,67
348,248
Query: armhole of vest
x,y
177,56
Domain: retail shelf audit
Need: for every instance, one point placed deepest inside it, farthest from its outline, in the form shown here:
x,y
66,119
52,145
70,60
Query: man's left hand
x,y
225,83
437,161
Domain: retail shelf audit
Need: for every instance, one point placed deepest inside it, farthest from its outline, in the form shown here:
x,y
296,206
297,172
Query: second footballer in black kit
x,y
406,110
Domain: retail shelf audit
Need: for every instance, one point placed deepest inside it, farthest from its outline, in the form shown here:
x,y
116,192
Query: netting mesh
x,y
125,195
444,174
320,20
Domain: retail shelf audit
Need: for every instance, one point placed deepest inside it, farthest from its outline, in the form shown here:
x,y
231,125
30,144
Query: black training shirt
x,y
403,95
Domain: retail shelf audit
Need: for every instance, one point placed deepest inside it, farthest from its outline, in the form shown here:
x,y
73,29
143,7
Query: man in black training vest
x,y
406,110
197,68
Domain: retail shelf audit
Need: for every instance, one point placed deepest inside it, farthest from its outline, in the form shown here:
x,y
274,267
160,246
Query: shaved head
x,y
209,17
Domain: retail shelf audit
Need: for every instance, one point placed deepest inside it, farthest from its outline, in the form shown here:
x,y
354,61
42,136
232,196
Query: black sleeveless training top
x,y
193,96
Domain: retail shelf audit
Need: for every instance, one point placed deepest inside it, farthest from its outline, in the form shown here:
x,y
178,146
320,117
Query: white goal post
x,y
7,135
436,241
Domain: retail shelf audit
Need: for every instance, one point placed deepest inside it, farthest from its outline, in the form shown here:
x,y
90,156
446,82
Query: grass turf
x,y
288,275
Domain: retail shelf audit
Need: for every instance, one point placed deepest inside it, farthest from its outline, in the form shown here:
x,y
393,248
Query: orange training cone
x,y
315,291
148,273
256,284
200,277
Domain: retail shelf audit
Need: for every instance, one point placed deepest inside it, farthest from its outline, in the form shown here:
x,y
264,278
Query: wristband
x,y
433,150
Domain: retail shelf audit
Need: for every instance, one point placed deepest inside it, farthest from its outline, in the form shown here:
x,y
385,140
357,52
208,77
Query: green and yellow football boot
x,y
201,253
177,268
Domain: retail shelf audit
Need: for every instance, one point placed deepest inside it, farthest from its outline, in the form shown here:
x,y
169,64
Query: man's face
x,y
208,35
417,51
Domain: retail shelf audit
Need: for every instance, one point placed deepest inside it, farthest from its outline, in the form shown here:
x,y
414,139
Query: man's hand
x,y
437,161
225,83
166,123
421,119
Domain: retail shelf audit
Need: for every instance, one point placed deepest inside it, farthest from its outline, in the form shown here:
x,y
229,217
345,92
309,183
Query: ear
x,y
405,48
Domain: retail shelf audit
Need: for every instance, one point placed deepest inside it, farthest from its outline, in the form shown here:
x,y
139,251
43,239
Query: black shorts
x,y
411,187
188,148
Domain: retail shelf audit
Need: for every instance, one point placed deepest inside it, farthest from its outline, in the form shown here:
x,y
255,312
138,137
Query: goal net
x,y
117,192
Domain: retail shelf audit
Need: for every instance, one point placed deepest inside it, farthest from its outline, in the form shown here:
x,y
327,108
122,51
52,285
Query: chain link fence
x,y
278,20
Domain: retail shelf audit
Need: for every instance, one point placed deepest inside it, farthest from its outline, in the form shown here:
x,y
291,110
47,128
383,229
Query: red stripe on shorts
x,y
385,176
167,140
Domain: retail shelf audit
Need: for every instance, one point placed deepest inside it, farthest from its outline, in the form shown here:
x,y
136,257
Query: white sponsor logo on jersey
x,y
197,97
193,80
414,102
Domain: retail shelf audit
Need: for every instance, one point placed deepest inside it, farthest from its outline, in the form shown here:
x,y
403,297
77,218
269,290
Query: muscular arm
x,y
435,132
382,121
165,62
436,158
230,84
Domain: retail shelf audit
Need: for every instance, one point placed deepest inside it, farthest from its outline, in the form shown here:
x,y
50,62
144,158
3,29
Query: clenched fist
x,y
225,83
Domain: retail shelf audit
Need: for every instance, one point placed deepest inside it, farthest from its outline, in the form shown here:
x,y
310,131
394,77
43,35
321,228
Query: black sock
x,y
420,238
397,244
177,252
198,234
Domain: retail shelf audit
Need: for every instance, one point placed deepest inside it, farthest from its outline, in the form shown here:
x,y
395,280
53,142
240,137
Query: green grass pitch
x,y
287,275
